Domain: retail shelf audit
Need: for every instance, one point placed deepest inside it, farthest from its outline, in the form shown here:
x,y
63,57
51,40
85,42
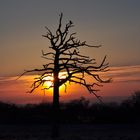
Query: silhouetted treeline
x,y
76,111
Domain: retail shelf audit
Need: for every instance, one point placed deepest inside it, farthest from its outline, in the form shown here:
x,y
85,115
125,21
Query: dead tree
x,y
65,57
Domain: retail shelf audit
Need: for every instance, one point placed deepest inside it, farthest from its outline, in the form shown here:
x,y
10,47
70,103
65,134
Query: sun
x,y
48,82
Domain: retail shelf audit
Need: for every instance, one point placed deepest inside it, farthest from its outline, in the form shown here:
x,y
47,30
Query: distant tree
x,y
133,101
136,97
65,57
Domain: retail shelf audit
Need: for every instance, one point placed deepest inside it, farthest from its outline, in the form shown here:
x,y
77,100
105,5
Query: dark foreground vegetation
x,y
75,112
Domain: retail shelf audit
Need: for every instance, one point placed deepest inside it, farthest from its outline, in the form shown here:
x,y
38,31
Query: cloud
x,y
10,83
118,74
125,80
125,74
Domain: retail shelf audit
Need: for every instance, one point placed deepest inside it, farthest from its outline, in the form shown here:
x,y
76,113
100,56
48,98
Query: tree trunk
x,y
55,129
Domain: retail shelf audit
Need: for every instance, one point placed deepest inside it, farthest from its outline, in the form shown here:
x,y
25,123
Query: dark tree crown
x,y
66,57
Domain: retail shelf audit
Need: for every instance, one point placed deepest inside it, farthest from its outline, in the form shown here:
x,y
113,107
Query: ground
x,y
72,132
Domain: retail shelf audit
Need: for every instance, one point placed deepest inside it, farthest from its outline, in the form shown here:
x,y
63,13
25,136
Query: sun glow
x,y
48,84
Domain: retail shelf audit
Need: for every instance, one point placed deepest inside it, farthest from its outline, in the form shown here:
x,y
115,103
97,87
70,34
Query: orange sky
x,y
126,80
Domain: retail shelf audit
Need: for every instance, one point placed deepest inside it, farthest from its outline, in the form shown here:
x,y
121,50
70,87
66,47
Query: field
x,y
71,132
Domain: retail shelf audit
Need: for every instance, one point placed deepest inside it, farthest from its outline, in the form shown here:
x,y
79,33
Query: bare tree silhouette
x,y
65,57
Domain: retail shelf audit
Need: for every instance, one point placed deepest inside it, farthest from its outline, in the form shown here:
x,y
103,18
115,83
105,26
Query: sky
x,y
115,24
